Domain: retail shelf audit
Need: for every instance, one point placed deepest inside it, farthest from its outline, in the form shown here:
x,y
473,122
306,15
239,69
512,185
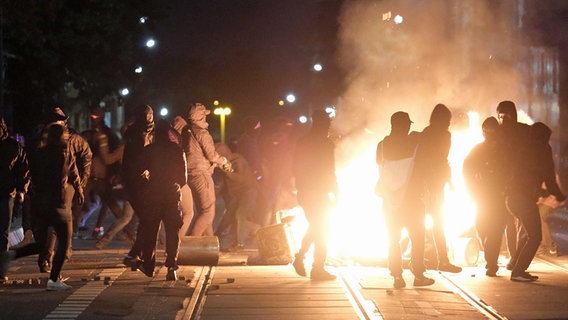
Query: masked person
x,y
402,189
314,172
202,159
534,167
14,182
486,171
433,153
138,135
164,165
53,170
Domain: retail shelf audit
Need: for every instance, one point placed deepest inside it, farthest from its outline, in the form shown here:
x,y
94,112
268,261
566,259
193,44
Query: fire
x,y
357,229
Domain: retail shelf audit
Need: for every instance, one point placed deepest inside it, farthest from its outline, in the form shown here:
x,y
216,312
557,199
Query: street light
x,y
222,112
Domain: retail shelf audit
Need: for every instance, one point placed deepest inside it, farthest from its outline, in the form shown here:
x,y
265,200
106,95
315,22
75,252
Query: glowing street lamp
x,y
222,112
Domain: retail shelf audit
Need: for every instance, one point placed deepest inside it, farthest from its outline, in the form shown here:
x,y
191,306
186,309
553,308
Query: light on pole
x,y
222,112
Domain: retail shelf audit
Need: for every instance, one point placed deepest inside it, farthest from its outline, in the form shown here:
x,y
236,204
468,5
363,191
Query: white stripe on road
x,y
80,300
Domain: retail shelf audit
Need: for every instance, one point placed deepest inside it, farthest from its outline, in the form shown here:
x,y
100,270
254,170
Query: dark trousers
x,y
317,208
524,207
148,234
490,225
436,211
47,253
6,213
44,219
412,218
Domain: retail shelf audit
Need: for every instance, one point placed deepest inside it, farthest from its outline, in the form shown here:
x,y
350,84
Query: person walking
x,y
433,153
137,136
202,159
534,167
314,173
83,155
515,136
402,192
240,193
14,182
164,167
53,170
486,172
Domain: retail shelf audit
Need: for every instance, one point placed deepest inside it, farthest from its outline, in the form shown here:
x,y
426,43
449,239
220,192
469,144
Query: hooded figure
x,y
198,145
14,181
534,167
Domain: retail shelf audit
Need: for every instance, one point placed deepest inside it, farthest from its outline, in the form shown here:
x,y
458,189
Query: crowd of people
x,y
509,175
171,175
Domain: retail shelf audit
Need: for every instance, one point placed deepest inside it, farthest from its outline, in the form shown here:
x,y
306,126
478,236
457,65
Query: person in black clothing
x,y
137,136
14,182
433,153
52,167
534,167
81,151
163,164
314,172
486,171
402,194
514,136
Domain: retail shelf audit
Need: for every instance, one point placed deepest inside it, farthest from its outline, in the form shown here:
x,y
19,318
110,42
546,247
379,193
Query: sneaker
x,y
321,275
422,281
57,285
172,275
523,277
98,233
399,282
448,267
299,266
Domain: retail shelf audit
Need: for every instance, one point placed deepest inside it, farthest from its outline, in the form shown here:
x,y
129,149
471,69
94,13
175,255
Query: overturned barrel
x,y
199,251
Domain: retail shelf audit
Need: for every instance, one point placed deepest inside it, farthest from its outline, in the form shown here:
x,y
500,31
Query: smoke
x,y
461,53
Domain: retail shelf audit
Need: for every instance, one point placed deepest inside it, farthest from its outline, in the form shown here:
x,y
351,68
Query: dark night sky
x,y
247,54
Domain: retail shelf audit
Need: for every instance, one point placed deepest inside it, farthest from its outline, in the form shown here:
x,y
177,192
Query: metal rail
x,y
365,309
195,306
471,298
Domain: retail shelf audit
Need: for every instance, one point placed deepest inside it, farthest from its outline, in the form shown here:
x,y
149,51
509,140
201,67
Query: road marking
x,y
80,300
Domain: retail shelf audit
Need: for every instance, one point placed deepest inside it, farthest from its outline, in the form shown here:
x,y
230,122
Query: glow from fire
x,y
357,228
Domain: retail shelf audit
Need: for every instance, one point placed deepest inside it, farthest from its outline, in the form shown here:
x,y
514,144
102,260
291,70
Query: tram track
x,y
195,305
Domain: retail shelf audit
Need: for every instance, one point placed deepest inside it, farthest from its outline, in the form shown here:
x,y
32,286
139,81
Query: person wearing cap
x,y
485,172
313,169
514,136
14,182
202,158
82,156
402,193
433,154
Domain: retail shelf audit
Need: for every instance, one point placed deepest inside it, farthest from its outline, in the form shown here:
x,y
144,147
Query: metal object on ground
x,y
199,251
465,251
274,244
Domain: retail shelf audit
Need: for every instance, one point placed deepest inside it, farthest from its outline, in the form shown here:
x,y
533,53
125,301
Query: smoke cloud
x,y
460,53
